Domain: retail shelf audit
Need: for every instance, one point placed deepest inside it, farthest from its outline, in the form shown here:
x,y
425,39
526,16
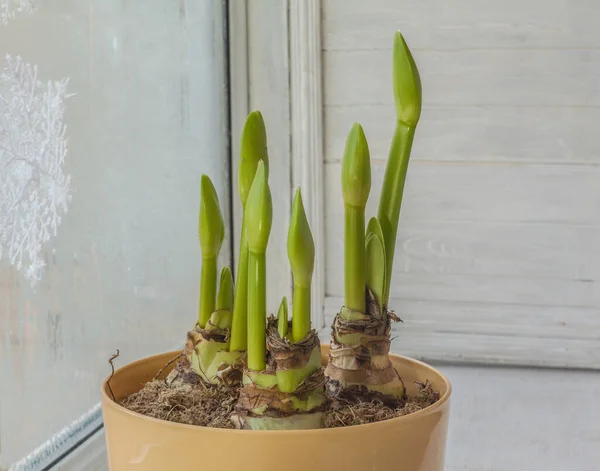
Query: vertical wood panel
x,y
268,76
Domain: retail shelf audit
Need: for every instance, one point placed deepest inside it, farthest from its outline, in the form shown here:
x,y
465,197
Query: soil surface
x,y
346,413
212,406
198,404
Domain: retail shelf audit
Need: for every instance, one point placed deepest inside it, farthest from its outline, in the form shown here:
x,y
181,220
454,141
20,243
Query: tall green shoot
x,y
356,186
211,232
258,219
301,254
407,96
253,150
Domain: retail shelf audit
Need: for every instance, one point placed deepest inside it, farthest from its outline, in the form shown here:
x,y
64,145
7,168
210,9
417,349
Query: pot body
x,y
416,442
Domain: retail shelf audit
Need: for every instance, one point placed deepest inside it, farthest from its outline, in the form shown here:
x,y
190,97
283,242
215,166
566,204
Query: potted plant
x,y
257,393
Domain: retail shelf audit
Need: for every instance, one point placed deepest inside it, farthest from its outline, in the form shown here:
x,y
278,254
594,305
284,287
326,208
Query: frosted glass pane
x,y
145,117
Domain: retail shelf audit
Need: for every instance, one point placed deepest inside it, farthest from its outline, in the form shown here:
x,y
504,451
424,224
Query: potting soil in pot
x,y
199,403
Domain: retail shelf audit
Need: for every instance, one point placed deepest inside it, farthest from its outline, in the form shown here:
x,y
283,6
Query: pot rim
x,y
108,401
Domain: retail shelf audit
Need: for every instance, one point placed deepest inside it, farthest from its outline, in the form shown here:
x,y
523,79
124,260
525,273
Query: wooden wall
x,y
499,251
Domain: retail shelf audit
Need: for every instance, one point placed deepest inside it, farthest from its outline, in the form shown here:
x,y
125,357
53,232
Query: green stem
x,y
239,328
390,201
355,265
208,290
257,311
300,313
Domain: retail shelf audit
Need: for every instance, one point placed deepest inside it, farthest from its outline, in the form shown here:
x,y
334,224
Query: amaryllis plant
x,y
276,361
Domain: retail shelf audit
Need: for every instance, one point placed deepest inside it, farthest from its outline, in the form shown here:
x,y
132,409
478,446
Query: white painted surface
x,y
476,133
515,77
146,121
470,24
307,132
500,234
510,419
471,333
498,255
505,419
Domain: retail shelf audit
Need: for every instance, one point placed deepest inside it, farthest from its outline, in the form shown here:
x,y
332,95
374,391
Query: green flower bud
x,y
211,228
407,83
259,212
253,149
356,169
282,318
300,244
376,267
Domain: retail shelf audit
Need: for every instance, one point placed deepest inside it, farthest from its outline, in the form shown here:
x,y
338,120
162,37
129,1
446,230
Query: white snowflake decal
x,y
9,8
34,190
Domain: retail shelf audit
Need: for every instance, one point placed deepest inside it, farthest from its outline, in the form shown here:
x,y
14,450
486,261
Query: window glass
x,y
110,111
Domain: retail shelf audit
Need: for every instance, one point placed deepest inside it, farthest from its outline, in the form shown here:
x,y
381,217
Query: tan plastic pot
x,y
416,442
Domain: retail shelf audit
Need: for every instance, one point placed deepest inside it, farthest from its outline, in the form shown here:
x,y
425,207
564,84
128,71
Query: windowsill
x,y
513,419
503,419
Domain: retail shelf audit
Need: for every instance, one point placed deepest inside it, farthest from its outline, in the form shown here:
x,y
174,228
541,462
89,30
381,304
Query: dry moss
x,y
344,413
199,404
212,406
